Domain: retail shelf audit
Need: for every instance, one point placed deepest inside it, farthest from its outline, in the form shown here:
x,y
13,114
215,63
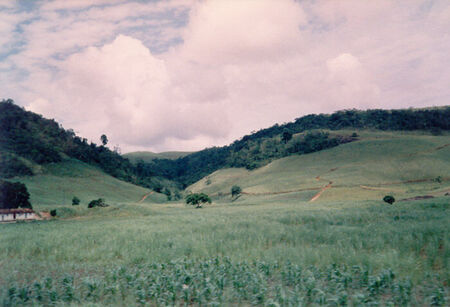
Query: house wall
x,y
18,216
25,216
6,217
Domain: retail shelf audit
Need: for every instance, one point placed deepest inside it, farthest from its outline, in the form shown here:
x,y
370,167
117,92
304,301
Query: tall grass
x,y
155,243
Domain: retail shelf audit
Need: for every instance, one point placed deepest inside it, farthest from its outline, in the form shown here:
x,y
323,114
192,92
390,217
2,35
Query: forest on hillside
x,y
28,139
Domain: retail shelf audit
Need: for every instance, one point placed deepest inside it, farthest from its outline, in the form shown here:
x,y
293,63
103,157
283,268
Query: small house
x,y
11,215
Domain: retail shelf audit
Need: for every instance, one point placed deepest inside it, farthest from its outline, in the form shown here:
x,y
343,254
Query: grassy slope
x,y
59,182
148,156
358,170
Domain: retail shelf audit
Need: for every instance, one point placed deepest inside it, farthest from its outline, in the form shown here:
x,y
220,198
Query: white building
x,y
11,215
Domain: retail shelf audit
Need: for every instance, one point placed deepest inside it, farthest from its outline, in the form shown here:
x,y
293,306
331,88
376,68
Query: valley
x,y
309,228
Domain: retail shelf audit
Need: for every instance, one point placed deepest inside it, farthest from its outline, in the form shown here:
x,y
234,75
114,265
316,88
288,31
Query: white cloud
x,y
122,89
240,66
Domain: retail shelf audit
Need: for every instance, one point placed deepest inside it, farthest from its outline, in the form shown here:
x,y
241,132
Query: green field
x,y
58,183
148,156
271,246
285,253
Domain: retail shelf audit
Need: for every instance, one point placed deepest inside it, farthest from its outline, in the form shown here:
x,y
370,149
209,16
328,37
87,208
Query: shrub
x,y
167,192
63,212
197,199
97,203
235,190
75,201
389,199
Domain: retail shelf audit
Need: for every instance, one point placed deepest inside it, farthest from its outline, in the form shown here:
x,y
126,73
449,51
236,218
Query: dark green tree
x,y
104,139
286,136
389,199
235,190
75,201
97,203
14,195
197,199
167,192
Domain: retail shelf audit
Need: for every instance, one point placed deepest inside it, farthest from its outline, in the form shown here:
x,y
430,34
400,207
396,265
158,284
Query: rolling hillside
x,y
380,163
59,182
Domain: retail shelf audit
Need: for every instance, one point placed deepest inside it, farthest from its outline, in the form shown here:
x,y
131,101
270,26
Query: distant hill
x,y
148,156
266,145
29,143
380,163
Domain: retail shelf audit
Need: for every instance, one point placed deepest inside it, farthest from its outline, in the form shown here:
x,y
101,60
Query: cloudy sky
x,y
183,75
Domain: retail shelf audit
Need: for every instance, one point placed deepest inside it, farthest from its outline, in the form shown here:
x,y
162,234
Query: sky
x,y
185,75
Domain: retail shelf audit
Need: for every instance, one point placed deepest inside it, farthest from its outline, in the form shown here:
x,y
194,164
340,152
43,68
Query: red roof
x,y
21,210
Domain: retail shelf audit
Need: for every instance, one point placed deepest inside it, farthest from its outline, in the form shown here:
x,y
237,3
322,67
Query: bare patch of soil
x,y
145,196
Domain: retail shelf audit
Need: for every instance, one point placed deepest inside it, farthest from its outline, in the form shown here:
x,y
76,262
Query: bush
x,y
75,201
63,212
197,199
97,203
235,190
167,192
389,199
14,195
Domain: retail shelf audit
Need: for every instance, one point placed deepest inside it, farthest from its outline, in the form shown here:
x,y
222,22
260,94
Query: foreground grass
x,y
286,253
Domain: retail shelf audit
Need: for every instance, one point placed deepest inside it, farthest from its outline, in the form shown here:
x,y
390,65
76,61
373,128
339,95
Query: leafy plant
x,y
235,190
197,199
389,199
97,203
14,195
75,201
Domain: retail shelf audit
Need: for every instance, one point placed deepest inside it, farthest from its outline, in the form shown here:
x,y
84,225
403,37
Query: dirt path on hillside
x,y
364,187
428,151
321,191
327,172
276,193
145,196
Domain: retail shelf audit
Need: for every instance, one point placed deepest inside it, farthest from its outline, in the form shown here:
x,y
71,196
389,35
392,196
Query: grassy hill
x,y
57,183
380,163
148,156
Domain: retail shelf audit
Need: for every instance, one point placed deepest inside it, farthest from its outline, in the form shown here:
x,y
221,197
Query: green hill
x,y
148,156
380,163
59,182
299,137
30,142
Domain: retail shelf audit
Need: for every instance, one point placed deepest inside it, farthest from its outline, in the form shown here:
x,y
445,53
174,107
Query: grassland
x,y
380,163
59,182
286,253
272,246
148,156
